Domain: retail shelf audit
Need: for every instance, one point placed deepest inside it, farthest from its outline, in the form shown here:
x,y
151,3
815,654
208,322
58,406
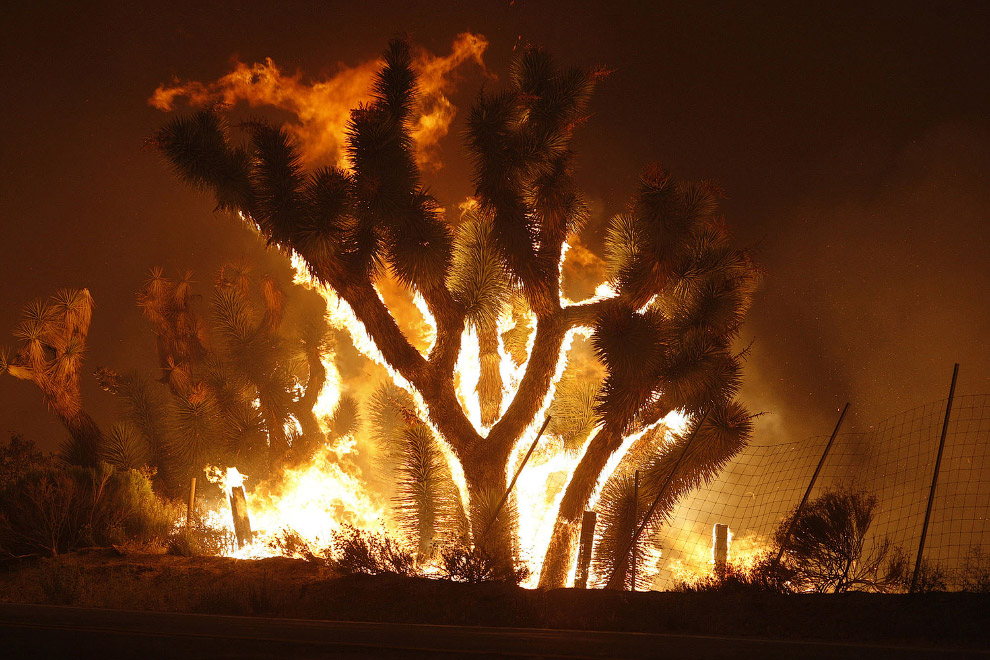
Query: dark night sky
x,y
852,142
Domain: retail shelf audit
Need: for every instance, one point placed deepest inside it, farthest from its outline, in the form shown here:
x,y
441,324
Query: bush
x,y
464,564
975,573
932,577
48,508
825,550
358,551
199,539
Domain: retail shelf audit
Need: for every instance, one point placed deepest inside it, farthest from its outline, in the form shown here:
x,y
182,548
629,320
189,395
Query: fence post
x,y
191,505
239,512
508,491
585,549
623,556
635,515
814,478
720,549
931,493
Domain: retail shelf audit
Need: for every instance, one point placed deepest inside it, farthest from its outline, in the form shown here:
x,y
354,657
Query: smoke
x,y
874,292
583,270
320,109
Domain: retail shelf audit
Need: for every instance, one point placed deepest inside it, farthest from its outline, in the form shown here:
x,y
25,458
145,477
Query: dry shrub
x,y
932,577
466,564
49,508
975,573
199,539
358,551
826,549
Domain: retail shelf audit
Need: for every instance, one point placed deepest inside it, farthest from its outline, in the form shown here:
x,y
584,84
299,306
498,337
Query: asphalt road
x,y
44,631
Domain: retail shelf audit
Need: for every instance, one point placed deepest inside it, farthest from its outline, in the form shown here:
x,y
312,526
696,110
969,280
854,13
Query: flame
x,y
696,559
314,501
226,478
467,374
322,108
341,316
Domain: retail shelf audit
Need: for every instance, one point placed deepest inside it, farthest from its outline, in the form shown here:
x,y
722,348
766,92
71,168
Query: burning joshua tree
x,y
490,286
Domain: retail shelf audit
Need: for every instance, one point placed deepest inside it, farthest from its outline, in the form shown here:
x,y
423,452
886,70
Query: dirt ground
x,y
299,589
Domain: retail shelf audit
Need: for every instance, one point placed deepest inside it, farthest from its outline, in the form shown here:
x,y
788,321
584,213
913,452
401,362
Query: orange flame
x,y
322,108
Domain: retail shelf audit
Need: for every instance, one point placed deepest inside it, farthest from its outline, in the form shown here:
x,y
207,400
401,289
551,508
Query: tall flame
x,y
322,107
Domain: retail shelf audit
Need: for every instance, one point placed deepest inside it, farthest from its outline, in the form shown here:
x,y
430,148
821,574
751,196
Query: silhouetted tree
x,y
825,551
664,338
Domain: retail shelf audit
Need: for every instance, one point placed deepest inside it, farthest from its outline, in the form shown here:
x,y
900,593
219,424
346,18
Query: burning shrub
x,y
48,508
358,551
464,564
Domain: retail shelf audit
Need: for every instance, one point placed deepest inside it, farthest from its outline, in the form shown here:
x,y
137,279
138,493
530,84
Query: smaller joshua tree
x,y
52,336
235,387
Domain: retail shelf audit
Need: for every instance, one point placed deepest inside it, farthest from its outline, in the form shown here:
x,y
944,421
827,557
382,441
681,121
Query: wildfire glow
x,y
322,108
314,501
696,557
468,373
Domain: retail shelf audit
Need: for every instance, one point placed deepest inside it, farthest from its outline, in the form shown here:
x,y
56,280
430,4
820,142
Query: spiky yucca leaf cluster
x,y
519,139
425,500
496,533
699,454
52,336
573,413
234,383
684,291
347,223
125,448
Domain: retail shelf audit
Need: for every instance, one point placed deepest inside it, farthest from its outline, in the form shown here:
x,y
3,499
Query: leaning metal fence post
x,y
807,493
931,493
623,556
512,483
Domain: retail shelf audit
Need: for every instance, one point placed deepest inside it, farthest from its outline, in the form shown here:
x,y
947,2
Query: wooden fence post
x,y
191,505
585,547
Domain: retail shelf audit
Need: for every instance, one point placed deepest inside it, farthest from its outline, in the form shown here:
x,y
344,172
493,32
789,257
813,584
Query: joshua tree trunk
x,y
86,438
560,553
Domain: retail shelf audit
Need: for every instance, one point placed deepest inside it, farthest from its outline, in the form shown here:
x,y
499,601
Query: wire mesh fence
x,y
893,461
